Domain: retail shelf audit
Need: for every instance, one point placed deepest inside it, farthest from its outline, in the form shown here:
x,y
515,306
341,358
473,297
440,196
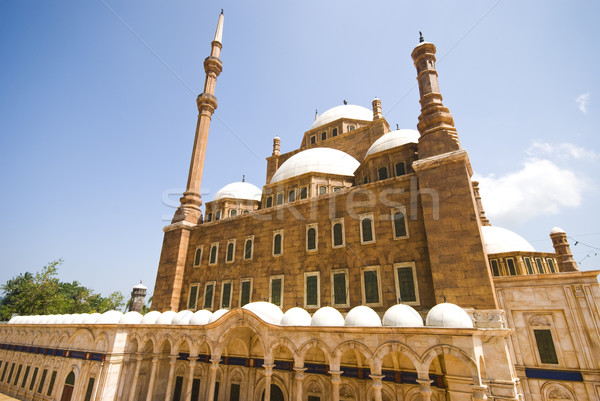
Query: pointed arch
x,y
396,346
433,352
356,346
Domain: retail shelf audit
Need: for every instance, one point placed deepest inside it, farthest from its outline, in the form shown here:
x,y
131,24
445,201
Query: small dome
x,y
217,314
200,317
317,160
166,317
557,230
91,318
402,315
150,317
266,311
448,315
132,317
296,317
183,317
362,316
140,286
46,318
350,111
62,319
239,190
499,240
393,139
327,316
110,317
79,318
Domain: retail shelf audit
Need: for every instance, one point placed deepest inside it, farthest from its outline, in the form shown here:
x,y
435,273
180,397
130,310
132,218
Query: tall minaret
x,y
189,210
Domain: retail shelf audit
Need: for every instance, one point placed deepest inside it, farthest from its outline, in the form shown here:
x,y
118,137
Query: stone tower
x,y
138,295
167,290
566,263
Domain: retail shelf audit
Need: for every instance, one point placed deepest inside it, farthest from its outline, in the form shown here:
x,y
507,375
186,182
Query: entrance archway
x,y
68,387
276,393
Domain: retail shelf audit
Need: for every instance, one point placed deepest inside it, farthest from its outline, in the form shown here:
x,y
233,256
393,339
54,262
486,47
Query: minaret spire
x,y
189,210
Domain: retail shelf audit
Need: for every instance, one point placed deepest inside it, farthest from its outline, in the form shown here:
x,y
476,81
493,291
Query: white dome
x,y
394,139
402,315
295,317
351,111
200,317
183,317
150,317
449,315
317,160
140,286
110,317
166,317
61,319
217,314
46,319
132,317
499,240
266,311
239,190
362,316
557,230
327,316
79,318
89,319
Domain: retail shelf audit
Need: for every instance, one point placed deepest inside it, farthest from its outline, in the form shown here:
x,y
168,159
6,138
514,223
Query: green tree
x,y
44,294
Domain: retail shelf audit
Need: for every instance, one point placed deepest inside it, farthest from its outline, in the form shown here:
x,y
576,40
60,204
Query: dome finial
x,y
243,177
345,102
397,126
421,40
316,114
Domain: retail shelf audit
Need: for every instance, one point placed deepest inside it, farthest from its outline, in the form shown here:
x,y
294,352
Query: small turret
x,y
138,295
377,113
276,146
566,262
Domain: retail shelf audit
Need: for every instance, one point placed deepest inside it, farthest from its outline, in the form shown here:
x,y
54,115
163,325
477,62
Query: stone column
x,y
425,388
212,378
479,393
191,367
133,387
150,394
377,386
299,376
335,384
172,361
268,374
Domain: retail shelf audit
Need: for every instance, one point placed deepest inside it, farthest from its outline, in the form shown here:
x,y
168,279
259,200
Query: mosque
x,y
364,269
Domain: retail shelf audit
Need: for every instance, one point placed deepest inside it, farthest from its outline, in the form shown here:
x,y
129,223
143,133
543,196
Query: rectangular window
x,y
279,199
278,243
370,285
234,393
214,252
246,291
322,190
312,235
249,247
292,195
230,255
551,265
512,270
178,388
90,388
545,346
367,234
303,193
382,173
43,379
51,385
337,189
209,292
193,296
269,201
196,390
226,295
334,132
311,290
276,290
198,256
339,283
35,372
313,140
400,169
337,233
323,135
528,265
540,267
495,268
25,377
406,283
399,222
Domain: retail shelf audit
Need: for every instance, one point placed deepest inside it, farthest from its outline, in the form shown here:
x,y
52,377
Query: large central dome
x,y
317,160
350,111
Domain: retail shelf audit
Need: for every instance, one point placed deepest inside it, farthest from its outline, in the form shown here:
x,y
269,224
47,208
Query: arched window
x,y
208,217
303,193
292,195
366,230
399,225
232,213
248,249
198,256
338,234
382,173
269,201
213,254
311,239
277,244
218,216
230,250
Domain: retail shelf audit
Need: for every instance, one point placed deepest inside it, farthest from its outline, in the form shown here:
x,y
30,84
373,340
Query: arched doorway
x,y
276,393
68,387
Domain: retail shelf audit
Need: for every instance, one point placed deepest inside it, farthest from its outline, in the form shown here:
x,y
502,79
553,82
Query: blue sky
x,y
97,112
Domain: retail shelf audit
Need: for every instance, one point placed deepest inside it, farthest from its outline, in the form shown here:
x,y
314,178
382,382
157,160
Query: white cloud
x,y
539,188
561,150
583,101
